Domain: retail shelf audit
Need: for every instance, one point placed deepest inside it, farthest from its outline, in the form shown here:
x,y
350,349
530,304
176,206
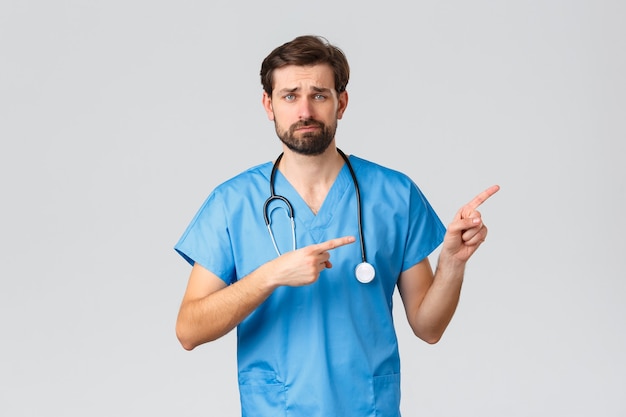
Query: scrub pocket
x,y
387,395
262,394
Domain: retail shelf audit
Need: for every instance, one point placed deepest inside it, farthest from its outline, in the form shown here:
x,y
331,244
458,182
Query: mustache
x,y
306,123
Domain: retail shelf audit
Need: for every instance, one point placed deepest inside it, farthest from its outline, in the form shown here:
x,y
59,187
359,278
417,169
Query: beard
x,y
308,143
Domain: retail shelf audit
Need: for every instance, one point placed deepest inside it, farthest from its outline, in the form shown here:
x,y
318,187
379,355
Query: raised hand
x,y
467,231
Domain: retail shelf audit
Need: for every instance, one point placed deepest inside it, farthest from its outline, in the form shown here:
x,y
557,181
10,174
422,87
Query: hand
x,y
467,230
303,266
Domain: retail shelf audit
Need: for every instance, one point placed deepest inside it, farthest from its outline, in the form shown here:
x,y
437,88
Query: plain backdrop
x,y
118,118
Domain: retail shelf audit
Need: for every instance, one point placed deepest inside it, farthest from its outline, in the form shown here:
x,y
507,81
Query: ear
x,y
342,104
267,105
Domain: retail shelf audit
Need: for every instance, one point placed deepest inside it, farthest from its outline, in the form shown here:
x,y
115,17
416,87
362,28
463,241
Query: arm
x,y
430,301
210,309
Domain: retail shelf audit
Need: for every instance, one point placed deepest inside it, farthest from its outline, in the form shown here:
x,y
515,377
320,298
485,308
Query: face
x,y
305,107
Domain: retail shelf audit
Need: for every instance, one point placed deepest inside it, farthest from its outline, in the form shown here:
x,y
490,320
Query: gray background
x,y
117,119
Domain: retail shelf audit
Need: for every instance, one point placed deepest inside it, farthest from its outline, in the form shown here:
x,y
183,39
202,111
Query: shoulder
x,y
372,171
388,182
249,185
250,179
259,172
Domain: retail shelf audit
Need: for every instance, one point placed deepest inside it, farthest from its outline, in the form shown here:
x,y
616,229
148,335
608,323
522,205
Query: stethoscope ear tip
x,y
364,272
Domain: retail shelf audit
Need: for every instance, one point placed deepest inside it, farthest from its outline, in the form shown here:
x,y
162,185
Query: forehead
x,y
304,77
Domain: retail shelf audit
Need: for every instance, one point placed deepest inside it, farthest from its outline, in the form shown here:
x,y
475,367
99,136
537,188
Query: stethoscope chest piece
x,y
364,272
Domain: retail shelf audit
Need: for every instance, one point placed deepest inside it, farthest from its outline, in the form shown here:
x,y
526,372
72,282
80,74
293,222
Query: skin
x,y
210,309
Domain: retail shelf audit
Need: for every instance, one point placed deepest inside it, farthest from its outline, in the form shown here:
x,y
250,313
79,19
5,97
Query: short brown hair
x,y
306,50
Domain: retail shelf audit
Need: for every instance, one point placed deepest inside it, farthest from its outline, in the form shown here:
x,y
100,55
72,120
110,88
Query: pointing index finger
x,y
482,197
335,243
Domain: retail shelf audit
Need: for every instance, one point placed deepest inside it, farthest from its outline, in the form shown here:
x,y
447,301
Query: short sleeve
x,y
206,240
426,231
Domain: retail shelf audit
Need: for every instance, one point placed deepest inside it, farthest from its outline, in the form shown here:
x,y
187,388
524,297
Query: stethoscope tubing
x,y
358,203
364,271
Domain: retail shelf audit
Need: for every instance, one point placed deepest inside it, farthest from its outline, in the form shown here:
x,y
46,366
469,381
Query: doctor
x,y
313,338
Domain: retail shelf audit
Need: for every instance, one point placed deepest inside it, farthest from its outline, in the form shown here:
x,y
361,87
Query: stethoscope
x,y
364,271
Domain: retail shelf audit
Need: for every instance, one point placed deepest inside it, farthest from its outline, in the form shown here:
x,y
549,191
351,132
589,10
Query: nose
x,y
305,111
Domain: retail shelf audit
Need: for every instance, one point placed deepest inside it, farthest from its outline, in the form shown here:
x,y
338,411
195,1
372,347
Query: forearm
x,y
208,318
441,300
429,316
209,310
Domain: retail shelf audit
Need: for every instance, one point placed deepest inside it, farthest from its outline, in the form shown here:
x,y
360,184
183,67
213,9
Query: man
x,y
313,339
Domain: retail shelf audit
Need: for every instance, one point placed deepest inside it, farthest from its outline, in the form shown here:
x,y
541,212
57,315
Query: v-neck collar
x,y
325,214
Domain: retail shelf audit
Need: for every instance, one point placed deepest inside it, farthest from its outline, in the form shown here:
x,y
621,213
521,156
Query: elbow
x,y
429,330
183,338
189,338
432,339
431,336
187,346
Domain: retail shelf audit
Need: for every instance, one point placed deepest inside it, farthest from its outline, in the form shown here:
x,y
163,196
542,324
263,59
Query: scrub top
x,y
329,348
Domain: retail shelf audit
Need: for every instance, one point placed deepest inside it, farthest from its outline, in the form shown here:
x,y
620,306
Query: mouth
x,y
307,127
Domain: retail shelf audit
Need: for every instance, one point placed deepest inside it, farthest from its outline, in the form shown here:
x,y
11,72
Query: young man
x,y
312,299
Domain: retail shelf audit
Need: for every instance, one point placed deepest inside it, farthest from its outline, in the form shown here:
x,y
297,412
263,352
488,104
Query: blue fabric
x,y
329,348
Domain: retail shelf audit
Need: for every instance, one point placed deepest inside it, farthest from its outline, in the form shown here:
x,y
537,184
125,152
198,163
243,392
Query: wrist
x,y
449,265
266,277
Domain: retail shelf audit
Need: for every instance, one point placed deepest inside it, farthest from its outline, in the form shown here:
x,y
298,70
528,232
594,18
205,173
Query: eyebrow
x,y
295,89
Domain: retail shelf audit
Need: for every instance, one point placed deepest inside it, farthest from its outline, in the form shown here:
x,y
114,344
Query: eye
x,y
320,97
289,97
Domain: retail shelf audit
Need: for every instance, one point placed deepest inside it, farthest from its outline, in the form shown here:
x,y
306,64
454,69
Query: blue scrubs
x,y
330,348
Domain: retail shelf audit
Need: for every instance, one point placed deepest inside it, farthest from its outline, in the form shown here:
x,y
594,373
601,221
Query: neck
x,y
311,176
310,170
